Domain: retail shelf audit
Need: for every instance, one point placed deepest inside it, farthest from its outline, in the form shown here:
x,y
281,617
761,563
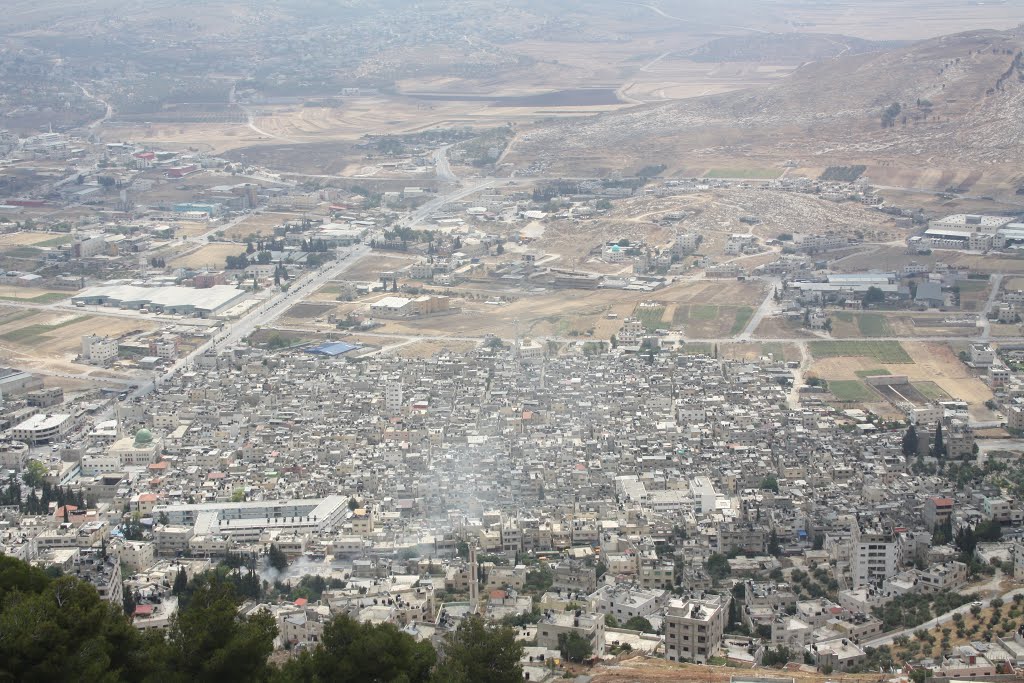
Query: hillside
x,y
784,48
960,99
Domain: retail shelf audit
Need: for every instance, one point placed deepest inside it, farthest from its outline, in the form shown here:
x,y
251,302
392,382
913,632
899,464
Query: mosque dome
x,y
143,436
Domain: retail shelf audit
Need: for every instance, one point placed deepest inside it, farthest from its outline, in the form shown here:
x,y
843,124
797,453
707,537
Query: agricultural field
x,y
931,391
934,370
883,352
873,325
58,335
210,256
704,321
751,351
650,316
32,295
33,239
35,333
874,372
851,391
697,349
746,173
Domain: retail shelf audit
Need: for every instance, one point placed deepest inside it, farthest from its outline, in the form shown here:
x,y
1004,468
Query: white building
x,y
42,428
98,350
875,555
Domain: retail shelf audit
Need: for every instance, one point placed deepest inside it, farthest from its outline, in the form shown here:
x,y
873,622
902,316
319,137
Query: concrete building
x,y
875,555
693,628
42,428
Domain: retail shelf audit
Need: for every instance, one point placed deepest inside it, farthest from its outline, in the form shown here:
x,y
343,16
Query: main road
x,y
264,313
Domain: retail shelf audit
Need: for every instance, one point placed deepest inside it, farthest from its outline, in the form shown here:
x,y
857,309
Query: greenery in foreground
x,y
59,629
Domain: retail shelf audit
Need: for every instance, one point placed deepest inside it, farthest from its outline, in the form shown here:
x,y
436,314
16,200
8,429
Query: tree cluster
x,y
59,629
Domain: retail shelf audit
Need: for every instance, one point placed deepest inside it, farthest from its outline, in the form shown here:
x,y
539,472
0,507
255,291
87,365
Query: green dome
x,y
143,436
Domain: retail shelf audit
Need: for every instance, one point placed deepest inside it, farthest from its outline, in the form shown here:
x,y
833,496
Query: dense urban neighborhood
x,y
375,343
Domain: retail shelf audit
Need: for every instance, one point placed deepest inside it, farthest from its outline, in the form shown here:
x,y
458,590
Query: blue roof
x,y
332,349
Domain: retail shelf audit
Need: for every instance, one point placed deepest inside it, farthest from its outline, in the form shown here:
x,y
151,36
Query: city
x,y
460,386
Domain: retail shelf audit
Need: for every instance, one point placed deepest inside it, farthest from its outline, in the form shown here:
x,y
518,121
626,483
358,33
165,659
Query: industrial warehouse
x,y
174,300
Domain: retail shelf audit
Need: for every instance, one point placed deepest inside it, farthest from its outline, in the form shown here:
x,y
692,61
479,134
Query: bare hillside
x,y
958,96
783,48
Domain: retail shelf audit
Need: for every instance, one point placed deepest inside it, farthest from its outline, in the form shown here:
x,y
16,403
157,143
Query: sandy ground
x,y
260,224
933,362
208,256
21,239
10,291
59,334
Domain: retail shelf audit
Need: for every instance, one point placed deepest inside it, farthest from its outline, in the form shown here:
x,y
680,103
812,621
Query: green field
x,y
650,316
751,173
693,312
703,312
868,373
850,390
873,325
696,349
16,315
882,351
743,315
55,241
23,252
972,285
931,391
844,316
48,298
29,331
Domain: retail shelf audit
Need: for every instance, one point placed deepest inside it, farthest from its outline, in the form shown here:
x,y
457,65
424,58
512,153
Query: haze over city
x,y
471,341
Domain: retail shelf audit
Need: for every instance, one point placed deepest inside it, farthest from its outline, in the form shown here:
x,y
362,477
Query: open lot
x,y
755,350
207,256
33,238
258,225
933,369
33,295
52,335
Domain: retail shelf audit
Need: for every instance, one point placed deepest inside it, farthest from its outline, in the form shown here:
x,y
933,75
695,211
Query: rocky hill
x,y
960,96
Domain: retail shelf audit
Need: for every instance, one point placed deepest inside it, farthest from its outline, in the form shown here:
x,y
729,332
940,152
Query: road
x,y
110,110
766,307
442,168
263,314
438,203
996,284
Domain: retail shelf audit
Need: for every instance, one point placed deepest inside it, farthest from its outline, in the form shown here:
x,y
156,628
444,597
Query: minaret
x,y
474,579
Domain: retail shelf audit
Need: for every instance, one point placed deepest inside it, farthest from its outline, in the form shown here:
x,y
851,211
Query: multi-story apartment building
x,y
875,555
693,628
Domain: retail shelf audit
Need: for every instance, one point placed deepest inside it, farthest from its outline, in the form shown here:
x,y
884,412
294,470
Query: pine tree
x,y
180,582
910,441
939,450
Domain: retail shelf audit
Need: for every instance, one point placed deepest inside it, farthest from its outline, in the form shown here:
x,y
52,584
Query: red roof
x,y
59,512
301,602
942,501
144,610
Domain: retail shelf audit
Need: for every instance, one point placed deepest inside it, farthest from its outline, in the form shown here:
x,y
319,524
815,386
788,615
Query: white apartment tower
x,y
393,397
875,555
